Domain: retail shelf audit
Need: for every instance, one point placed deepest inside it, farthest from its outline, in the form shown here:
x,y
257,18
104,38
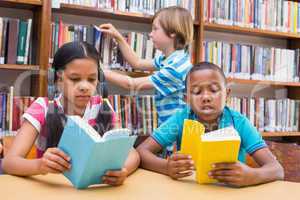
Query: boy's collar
x,y
224,120
173,54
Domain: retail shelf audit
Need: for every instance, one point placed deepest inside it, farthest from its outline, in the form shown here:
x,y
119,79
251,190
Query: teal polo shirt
x,y
171,130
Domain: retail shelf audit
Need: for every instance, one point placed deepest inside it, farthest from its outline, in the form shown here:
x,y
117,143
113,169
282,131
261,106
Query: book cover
x,y
206,149
92,155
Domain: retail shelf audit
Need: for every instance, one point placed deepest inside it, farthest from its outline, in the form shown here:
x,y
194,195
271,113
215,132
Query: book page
x,y
116,133
228,133
89,130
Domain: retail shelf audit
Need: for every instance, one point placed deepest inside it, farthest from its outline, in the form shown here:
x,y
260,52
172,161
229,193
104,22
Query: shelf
x,y
19,67
21,4
104,13
250,31
280,134
133,74
229,80
263,82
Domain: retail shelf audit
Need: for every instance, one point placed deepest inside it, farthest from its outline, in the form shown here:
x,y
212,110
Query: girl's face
x,y
160,39
78,82
206,94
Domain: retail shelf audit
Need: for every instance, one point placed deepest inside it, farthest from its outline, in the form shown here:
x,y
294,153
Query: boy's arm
x,y
127,52
177,166
149,160
270,169
127,82
239,174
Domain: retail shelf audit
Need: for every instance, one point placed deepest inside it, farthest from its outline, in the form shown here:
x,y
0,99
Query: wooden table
x,y
142,185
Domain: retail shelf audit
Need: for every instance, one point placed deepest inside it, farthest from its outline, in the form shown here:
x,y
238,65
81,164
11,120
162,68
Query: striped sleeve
x,y
167,81
36,113
157,62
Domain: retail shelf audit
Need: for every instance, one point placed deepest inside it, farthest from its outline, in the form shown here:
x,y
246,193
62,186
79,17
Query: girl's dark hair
x,y
55,118
207,65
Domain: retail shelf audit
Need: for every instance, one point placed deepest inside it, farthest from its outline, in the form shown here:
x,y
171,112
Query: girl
x,y
206,96
172,32
76,77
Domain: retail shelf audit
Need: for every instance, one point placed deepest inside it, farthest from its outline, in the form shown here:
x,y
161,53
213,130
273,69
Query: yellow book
x,y
206,149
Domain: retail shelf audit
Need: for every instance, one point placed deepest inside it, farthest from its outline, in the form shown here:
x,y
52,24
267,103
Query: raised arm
x,y
126,82
127,51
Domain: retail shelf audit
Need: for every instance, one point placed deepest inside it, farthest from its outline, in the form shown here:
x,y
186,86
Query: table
x,y
141,185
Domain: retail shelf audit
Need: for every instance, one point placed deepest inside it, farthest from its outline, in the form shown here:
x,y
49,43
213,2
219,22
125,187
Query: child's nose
x,y
206,97
83,86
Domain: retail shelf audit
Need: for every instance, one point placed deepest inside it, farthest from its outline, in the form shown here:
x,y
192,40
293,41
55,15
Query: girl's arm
x,y
132,162
127,51
239,174
116,178
127,82
15,161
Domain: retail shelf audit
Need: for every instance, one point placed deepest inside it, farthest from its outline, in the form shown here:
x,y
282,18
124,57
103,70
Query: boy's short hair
x,y
207,65
177,20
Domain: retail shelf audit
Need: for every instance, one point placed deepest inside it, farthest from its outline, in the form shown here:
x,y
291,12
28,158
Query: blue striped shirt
x,y
169,82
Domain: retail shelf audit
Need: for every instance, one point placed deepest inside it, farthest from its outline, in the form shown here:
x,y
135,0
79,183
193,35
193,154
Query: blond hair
x,y
177,20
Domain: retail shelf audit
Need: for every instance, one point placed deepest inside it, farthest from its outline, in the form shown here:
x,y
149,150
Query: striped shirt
x,y
36,115
169,82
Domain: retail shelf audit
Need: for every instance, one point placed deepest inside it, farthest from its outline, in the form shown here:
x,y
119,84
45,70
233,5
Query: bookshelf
x,y
200,27
20,67
42,27
41,12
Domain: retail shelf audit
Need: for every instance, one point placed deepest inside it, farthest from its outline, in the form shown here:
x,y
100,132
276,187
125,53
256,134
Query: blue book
x,y
93,155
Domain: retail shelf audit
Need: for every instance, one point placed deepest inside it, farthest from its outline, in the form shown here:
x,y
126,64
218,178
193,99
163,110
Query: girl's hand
x,y
179,166
234,174
54,161
111,30
115,178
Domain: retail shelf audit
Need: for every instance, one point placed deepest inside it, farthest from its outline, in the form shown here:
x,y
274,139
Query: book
x,y
206,149
93,155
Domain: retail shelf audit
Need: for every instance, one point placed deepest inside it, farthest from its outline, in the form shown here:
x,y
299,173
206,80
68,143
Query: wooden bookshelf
x,y
20,4
250,31
20,67
104,13
229,80
262,82
280,134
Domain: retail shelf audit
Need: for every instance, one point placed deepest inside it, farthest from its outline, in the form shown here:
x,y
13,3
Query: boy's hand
x,y
179,166
54,160
234,174
115,178
111,30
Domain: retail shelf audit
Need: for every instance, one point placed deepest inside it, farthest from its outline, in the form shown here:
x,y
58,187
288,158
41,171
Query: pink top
x,y
36,115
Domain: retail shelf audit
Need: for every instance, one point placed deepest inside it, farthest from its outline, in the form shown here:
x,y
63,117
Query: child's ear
x,y
228,91
173,35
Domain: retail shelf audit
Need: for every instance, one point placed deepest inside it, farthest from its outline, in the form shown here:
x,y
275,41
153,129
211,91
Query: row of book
x,y
134,112
11,110
15,37
268,114
109,50
147,7
274,15
137,113
253,62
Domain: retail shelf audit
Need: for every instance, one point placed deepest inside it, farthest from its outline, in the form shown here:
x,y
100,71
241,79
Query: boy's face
x,y
206,94
160,39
